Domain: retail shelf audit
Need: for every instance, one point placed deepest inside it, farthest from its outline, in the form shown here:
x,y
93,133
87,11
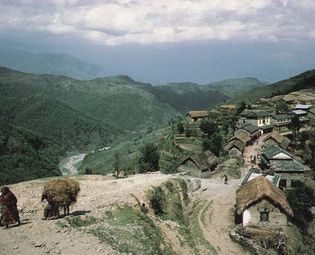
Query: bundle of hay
x,y
64,191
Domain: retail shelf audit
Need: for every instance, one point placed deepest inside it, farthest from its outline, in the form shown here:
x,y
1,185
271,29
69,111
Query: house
x,y
257,118
234,146
275,160
194,116
281,121
301,114
253,173
278,139
259,203
304,107
200,165
250,131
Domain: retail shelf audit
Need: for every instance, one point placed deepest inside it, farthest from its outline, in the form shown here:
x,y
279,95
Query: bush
x,y
180,128
301,199
149,158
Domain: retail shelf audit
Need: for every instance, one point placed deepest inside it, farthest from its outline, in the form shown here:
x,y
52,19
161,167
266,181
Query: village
x,y
266,139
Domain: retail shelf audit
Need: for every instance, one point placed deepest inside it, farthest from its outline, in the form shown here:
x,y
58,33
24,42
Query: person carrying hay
x,y
61,193
51,209
10,213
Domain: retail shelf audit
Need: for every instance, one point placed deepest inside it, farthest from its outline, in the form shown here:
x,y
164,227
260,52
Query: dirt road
x,y
99,193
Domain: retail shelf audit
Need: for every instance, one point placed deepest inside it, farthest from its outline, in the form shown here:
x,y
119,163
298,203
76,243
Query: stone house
x,y
281,121
235,146
276,138
257,118
194,116
275,160
259,203
249,131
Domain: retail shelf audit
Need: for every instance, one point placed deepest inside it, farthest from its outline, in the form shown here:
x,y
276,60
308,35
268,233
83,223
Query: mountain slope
x,y
304,80
119,100
236,87
46,63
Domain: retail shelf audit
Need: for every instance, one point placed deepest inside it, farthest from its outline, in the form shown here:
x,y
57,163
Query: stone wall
x,y
289,177
276,217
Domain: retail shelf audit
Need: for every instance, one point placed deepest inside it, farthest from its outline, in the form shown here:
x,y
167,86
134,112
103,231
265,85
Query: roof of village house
x,y
276,153
282,141
251,174
251,128
198,114
229,106
254,113
235,143
299,112
312,111
287,166
303,106
258,189
203,161
282,116
242,136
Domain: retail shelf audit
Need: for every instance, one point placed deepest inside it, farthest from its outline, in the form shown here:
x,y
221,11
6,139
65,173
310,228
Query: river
x,y
67,166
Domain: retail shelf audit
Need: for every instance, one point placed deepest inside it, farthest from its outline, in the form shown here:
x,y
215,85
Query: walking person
x,y
225,179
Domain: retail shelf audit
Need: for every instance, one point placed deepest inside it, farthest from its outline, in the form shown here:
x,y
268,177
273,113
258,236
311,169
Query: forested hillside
x,y
302,81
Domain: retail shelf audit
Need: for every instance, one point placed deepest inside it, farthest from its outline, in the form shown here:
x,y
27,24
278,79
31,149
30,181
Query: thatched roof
x,y
283,141
254,114
234,143
258,189
204,161
198,114
242,136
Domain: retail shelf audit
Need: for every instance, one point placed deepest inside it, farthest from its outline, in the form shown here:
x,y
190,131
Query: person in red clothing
x,y
11,213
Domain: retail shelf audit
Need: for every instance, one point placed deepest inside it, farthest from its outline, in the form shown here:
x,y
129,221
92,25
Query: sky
x,y
169,40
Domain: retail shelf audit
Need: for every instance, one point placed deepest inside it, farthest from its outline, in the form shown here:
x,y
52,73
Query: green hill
x,y
187,96
302,81
44,116
236,87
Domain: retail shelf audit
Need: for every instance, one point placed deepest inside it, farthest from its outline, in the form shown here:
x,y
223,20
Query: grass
x,y
131,231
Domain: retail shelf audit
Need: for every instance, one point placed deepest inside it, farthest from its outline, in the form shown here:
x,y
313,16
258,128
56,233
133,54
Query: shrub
x,y
149,158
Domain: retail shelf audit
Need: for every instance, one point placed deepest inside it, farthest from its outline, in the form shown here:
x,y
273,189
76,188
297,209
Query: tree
x,y
180,127
149,158
208,127
116,160
242,107
36,142
295,126
214,144
281,107
301,199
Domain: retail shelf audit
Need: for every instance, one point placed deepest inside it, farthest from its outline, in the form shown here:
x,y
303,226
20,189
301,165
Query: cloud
x,y
115,22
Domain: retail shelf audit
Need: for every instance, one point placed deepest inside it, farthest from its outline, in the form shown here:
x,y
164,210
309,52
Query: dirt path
x,y
216,216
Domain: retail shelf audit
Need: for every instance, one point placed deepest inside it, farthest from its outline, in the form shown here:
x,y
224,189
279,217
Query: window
x,y
264,216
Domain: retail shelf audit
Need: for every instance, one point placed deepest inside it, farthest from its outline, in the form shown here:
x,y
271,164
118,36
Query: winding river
x,y
67,166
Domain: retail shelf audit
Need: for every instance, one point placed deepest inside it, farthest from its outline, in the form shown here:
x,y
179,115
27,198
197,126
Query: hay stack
x,y
64,191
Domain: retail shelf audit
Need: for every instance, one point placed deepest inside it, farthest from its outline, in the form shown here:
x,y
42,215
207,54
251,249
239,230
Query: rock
x,y
194,185
16,247
38,245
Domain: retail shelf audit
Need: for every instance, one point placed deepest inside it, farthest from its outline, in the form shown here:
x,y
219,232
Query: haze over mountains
x,y
48,63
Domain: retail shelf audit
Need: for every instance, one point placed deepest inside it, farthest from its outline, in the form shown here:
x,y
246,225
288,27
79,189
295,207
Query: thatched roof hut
x,y
258,189
282,141
198,114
